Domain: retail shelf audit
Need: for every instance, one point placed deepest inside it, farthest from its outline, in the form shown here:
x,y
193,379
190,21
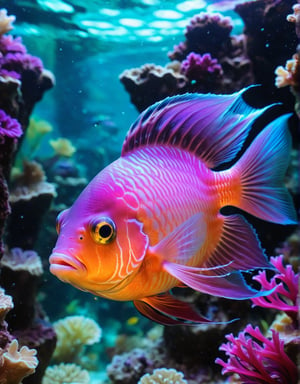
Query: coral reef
x,y
23,81
15,364
163,376
73,334
66,373
211,59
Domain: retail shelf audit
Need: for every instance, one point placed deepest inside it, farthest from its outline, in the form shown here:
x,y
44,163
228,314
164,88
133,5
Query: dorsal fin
x,y
212,127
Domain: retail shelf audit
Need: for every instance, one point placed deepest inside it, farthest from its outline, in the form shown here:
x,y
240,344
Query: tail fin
x,y
262,169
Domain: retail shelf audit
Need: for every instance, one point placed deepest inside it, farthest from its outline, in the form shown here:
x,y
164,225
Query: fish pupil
x,y
105,231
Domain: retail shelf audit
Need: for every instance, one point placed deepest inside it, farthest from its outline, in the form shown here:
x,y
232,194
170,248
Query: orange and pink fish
x,y
151,220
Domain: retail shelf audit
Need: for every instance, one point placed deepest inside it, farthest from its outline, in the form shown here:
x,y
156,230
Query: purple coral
x,y
198,67
257,359
284,297
8,126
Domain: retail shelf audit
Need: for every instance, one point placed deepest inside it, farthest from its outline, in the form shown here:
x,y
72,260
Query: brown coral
x,y
16,364
151,83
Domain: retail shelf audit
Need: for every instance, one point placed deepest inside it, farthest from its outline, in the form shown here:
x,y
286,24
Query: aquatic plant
x,y
284,297
66,373
257,359
163,376
73,334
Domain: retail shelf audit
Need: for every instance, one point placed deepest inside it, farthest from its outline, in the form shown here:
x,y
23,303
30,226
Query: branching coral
x,y
286,282
66,373
16,364
257,359
163,376
73,334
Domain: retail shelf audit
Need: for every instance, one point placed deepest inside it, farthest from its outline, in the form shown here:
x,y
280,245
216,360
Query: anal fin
x,y
167,310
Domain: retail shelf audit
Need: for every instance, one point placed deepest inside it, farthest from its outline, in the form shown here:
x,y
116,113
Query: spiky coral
x,y
284,297
257,359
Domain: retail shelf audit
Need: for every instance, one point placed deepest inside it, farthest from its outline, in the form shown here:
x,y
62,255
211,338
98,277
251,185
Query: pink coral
x,y
8,126
198,67
284,297
257,359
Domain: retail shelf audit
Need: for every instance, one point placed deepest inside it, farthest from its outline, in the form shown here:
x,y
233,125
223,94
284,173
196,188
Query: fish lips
x,y
62,264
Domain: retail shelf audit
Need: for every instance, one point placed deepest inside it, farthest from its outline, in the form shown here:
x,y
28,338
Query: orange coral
x,y
16,364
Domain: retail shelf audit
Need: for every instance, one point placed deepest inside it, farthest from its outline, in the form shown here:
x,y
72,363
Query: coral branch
x,y
257,359
284,297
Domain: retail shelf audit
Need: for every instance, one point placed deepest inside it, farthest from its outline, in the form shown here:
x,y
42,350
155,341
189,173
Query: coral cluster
x,y
211,59
15,363
23,80
256,358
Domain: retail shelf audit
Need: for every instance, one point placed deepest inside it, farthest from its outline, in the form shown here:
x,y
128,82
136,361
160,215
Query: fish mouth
x,y
60,262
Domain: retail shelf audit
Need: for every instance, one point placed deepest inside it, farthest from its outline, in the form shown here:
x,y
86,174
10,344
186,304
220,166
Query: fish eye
x,y
103,230
59,220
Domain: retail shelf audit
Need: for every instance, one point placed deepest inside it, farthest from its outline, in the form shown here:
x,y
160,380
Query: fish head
x,y
101,244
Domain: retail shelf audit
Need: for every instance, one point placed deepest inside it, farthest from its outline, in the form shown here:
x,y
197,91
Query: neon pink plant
x,y
257,359
284,297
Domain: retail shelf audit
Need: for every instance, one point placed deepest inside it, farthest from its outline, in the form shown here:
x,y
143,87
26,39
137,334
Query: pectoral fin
x,y
183,242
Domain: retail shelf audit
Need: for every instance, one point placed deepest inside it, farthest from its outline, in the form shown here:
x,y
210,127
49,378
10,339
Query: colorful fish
x,y
151,220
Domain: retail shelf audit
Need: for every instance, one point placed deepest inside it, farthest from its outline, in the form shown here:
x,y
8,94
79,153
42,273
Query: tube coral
x,y
257,359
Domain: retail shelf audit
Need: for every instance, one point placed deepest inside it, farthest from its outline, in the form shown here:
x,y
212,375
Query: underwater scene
x,y
149,191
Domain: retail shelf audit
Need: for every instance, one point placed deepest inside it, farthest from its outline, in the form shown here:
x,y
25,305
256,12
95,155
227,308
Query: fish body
x,y
151,220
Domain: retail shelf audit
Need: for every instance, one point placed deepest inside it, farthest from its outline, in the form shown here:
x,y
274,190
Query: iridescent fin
x,y
166,309
262,169
238,248
212,127
183,242
231,286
